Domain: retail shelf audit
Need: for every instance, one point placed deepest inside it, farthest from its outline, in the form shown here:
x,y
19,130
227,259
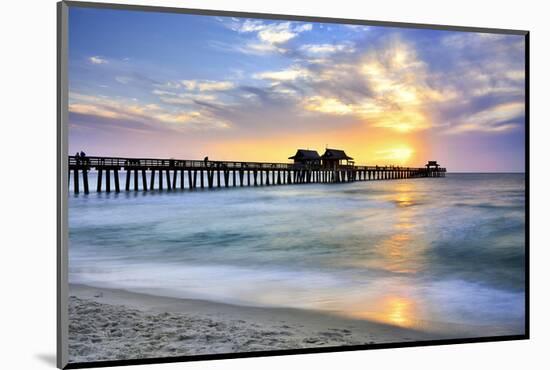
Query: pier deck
x,y
145,174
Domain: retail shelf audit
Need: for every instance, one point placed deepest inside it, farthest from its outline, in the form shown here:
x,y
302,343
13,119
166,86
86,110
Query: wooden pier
x,y
145,174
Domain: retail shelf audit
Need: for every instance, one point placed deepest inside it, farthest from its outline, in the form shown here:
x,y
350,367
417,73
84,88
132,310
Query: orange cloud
x,y
399,97
144,113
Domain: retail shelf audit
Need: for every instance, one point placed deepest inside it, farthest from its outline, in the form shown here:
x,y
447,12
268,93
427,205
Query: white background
x,y
28,206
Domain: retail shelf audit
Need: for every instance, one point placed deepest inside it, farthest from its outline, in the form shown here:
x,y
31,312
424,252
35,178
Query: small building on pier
x,y
306,157
334,158
433,170
432,165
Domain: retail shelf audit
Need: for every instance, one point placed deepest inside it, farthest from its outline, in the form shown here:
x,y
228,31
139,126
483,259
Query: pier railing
x,y
151,163
202,173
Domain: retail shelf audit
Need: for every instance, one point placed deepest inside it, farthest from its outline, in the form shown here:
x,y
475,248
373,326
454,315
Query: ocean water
x,y
443,255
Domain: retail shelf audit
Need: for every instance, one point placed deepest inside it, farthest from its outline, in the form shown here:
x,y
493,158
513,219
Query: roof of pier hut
x,y
335,154
306,154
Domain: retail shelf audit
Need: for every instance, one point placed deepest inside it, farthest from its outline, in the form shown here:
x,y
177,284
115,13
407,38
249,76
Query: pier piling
x,y
76,185
108,180
85,181
117,182
127,179
99,176
144,180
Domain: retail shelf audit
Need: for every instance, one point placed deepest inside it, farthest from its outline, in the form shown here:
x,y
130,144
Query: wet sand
x,y
110,324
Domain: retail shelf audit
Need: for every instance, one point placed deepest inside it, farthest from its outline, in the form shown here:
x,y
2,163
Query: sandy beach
x,y
110,324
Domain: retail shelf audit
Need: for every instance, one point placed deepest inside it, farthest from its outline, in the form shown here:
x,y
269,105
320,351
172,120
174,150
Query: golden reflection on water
x,y
403,200
399,311
402,252
394,310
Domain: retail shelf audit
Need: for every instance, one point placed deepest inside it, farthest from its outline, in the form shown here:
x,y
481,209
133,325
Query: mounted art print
x,y
235,184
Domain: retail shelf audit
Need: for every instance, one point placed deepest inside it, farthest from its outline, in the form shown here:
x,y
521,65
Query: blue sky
x,y
185,86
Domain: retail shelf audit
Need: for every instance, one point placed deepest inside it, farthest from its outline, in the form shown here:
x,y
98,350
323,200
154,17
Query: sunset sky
x,y
164,85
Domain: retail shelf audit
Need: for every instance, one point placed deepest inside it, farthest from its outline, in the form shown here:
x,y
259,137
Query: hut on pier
x,y
432,165
305,157
432,169
334,158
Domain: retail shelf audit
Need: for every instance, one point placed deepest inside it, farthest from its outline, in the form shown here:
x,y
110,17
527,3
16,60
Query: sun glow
x,y
327,105
397,155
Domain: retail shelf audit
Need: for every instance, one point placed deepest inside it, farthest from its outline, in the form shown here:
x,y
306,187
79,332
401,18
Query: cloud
x,y
400,90
394,83
150,114
270,36
487,72
475,40
274,33
188,99
303,27
356,27
392,87
289,74
452,84
97,60
327,105
163,92
169,85
209,96
517,75
207,85
259,48
386,87
318,50
253,47
93,110
134,78
495,119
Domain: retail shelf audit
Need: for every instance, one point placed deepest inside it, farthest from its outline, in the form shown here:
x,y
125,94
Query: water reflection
x,y
401,251
404,200
395,310
393,307
398,311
